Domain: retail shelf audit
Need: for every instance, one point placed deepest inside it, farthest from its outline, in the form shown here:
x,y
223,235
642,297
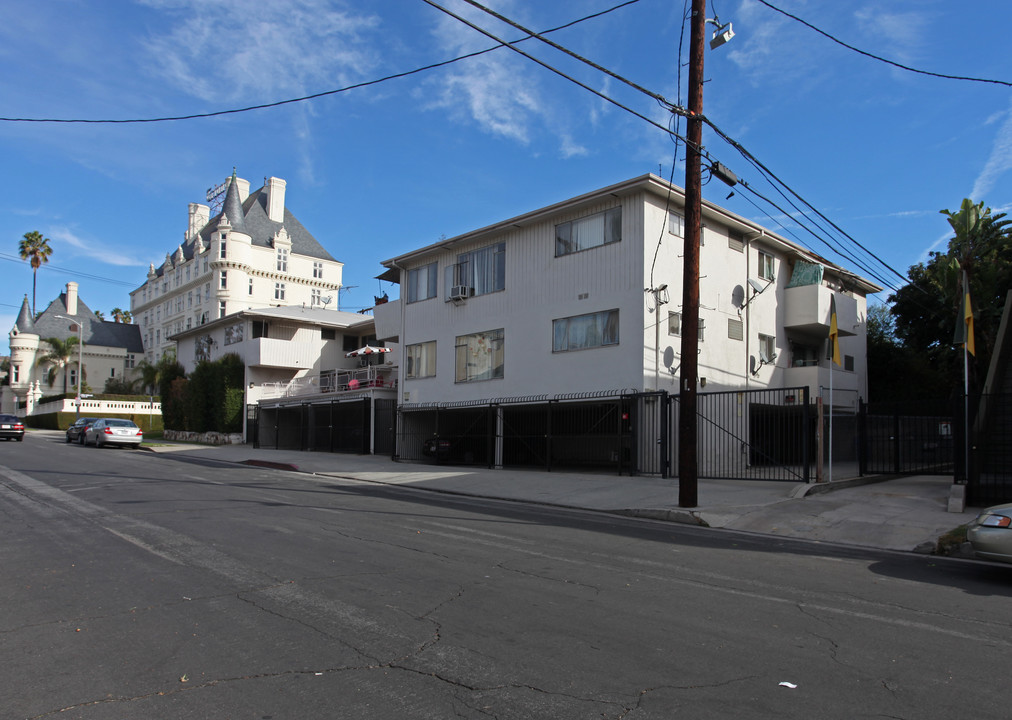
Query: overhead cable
x,y
882,59
314,96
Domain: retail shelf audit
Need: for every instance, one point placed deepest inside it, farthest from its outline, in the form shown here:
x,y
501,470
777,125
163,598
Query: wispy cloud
x,y
95,249
999,162
223,50
496,90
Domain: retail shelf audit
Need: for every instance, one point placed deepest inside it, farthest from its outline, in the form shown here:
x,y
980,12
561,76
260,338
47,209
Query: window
x,y
207,292
158,337
328,334
17,373
131,361
179,304
221,248
73,376
765,266
221,308
317,270
205,265
585,331
314,298
279,291
251,286
421,359
735,329
189,323
482,271
223,280
282,259
187,273
676,224
422,283
848,362
601,228
767,348
479,356
112,372
735,240
259,329
675,325
189,299
804,355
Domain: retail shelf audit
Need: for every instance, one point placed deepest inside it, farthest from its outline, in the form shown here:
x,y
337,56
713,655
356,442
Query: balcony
x,y
338,382
387,317
806,310
275,353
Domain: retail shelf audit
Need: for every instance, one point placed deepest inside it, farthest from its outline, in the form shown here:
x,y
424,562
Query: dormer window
x,y
282,259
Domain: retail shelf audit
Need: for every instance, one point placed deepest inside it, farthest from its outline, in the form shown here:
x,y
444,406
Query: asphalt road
x,y
138,585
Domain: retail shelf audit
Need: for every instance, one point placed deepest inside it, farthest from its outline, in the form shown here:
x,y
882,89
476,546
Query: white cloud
x,y
999,162
96,249
227,50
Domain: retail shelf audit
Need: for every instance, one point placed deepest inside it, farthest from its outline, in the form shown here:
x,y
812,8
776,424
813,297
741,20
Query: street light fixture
x,y
80,356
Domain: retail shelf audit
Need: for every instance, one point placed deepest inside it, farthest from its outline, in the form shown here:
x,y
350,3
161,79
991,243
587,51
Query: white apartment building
x,y
582,299
253,254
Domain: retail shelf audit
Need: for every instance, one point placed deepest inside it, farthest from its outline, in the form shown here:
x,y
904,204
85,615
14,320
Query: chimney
x,y
276,199
72,298
199,215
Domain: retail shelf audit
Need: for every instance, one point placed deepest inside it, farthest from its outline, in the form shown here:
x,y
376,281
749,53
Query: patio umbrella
x,y
367,350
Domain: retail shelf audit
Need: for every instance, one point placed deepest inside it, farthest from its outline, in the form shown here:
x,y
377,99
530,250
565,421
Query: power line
x,y
512,46
882,59
314,96
678,110
77,273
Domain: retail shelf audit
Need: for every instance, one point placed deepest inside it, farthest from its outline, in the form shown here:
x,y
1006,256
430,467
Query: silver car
x,y
113,431
990,533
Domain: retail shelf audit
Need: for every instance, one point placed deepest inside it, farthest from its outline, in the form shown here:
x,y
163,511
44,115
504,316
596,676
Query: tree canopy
x,y
926,310
36,250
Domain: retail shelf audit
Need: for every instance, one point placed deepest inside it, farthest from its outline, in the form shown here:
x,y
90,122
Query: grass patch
x,y
951,542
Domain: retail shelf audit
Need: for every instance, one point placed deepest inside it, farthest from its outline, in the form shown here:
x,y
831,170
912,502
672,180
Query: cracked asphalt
x,y
146,586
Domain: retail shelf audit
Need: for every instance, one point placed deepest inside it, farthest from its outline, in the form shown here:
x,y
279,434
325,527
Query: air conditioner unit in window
x,y
460,292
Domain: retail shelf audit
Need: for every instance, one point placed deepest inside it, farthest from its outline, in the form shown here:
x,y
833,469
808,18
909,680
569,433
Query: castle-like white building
x,y
253,254
111,350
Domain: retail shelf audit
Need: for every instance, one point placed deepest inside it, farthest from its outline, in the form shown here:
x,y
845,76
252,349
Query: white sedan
x,y
113,431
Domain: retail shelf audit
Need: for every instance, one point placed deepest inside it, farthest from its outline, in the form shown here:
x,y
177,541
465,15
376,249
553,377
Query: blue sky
x,y
379,170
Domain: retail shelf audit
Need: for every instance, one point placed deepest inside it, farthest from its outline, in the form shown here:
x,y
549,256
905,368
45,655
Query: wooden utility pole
x,y
688,470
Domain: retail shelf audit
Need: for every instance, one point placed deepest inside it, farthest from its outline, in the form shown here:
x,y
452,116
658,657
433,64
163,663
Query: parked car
x,y
990,533
113,431
75,433
437,448
11,428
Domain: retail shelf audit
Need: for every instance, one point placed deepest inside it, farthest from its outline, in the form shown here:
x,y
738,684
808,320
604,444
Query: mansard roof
x,y
250,218
96,331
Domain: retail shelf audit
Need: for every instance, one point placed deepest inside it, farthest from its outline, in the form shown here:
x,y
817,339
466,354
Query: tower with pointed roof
x,y
254,253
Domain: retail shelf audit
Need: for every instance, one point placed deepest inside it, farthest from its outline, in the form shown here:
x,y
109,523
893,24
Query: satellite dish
x,y
766,359
756,285
327,300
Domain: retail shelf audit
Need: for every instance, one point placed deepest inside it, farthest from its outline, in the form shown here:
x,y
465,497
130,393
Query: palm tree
x,y
123,316
150,375
61,352
99,314
34,248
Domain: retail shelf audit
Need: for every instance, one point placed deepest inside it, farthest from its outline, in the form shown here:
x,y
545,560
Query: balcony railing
x,y
341,381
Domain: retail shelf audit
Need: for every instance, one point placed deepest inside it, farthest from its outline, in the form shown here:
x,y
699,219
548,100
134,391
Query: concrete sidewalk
x,y
901,513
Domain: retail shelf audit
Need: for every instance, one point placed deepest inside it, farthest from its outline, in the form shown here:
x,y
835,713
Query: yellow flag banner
x,y
964,324
834,333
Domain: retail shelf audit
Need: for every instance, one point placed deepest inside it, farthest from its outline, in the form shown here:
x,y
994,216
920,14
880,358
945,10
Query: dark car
x,y
75,433
437,448
11,428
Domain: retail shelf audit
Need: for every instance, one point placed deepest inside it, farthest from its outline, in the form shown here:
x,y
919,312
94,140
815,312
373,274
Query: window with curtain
x,y
422,283
482,270
480,356
601,228
585,331
421,359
